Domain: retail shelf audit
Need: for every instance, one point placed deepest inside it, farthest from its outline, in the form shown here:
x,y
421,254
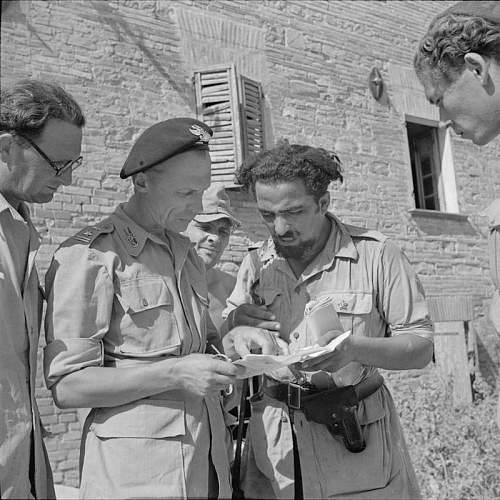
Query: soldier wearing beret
x,y
210,231
128,332
458,64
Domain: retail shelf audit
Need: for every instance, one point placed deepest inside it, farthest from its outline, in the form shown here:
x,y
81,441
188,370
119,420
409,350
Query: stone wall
x,y
130,63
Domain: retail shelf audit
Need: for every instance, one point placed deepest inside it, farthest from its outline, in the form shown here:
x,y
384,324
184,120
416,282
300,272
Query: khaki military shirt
x,y
119,296
220,286
20,308
376,294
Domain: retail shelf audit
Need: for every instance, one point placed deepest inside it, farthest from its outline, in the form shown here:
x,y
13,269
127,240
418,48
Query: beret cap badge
x,y
200,132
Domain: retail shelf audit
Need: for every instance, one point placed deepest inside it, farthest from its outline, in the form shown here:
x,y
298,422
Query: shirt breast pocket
x,y
148,326
352,308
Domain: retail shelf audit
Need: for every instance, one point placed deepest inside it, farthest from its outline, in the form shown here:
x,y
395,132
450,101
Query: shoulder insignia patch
x,y
131,238
90,233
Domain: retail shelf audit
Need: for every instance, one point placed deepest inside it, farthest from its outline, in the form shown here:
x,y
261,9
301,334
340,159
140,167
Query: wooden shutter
x,y
217,104
252,117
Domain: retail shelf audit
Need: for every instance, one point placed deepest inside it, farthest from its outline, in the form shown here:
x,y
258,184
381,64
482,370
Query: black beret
x,y
164,140
490,11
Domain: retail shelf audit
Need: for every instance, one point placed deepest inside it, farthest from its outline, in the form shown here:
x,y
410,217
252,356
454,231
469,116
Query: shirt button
x,y
284,419
144,302
296,335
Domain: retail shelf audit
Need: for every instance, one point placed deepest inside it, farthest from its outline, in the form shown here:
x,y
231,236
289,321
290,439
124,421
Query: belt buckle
x,y
294,396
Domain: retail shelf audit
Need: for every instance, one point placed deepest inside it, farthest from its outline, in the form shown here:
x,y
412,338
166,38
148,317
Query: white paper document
x,y
257,364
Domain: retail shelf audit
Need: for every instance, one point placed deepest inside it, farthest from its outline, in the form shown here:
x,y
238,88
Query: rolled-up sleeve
x,y
79,303
401,295
241,291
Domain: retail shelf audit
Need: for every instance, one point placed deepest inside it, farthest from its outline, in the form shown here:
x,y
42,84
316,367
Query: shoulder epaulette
x,y
90,233
362,232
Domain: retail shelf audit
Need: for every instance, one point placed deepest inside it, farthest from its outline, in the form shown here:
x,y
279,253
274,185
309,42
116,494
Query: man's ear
x,y
479,66
140,181
324,203
6,143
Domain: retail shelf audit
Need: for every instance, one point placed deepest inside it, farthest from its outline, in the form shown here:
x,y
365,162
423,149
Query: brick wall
x,y
130,62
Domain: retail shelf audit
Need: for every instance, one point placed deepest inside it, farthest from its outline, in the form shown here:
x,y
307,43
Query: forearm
x,y
402,352
95,387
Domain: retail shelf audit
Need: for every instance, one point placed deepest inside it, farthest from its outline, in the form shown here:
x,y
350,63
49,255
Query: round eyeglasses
x,y
59,166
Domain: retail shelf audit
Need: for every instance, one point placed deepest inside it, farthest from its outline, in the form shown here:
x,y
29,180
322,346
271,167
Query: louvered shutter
x,y
217,105
252,119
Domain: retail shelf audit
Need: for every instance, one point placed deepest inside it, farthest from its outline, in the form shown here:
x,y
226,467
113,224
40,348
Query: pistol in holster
x,y
346,424
337,409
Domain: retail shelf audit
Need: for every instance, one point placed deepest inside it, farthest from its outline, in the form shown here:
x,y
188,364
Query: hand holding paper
x,y
257,364
334,360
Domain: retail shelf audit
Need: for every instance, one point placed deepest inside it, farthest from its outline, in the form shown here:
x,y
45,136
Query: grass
x,y
455,451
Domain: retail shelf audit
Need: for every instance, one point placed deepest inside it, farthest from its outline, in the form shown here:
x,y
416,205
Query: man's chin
x,y
484,139
42,197
290,251
207,257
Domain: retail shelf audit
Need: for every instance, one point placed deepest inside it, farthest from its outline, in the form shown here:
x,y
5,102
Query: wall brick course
x,y
70,444
69,417
57,428
59,477
49,419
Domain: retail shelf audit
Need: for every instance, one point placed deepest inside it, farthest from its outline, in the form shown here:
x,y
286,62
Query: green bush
x,y
455,451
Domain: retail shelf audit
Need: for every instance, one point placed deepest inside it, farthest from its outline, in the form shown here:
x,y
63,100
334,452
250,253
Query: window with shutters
x,y
231,104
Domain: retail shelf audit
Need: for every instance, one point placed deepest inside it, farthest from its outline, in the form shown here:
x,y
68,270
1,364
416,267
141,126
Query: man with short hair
x,y
458,63
327,427
129,334
40,141
210,231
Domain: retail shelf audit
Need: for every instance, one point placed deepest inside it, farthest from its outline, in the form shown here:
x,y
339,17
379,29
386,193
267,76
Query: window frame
x,y
444,172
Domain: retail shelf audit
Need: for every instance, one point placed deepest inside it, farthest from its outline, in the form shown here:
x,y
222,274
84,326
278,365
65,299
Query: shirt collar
x,y
345,246
338,245
133,236
23,214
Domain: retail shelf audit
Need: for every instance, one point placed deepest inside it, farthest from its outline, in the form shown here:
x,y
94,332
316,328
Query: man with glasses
x,y
60,167
40,141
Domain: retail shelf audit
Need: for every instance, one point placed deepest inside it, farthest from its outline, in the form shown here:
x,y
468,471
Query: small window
x,y
425,157
232,105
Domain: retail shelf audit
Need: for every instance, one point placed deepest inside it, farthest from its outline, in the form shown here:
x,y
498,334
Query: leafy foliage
x,y
455,451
